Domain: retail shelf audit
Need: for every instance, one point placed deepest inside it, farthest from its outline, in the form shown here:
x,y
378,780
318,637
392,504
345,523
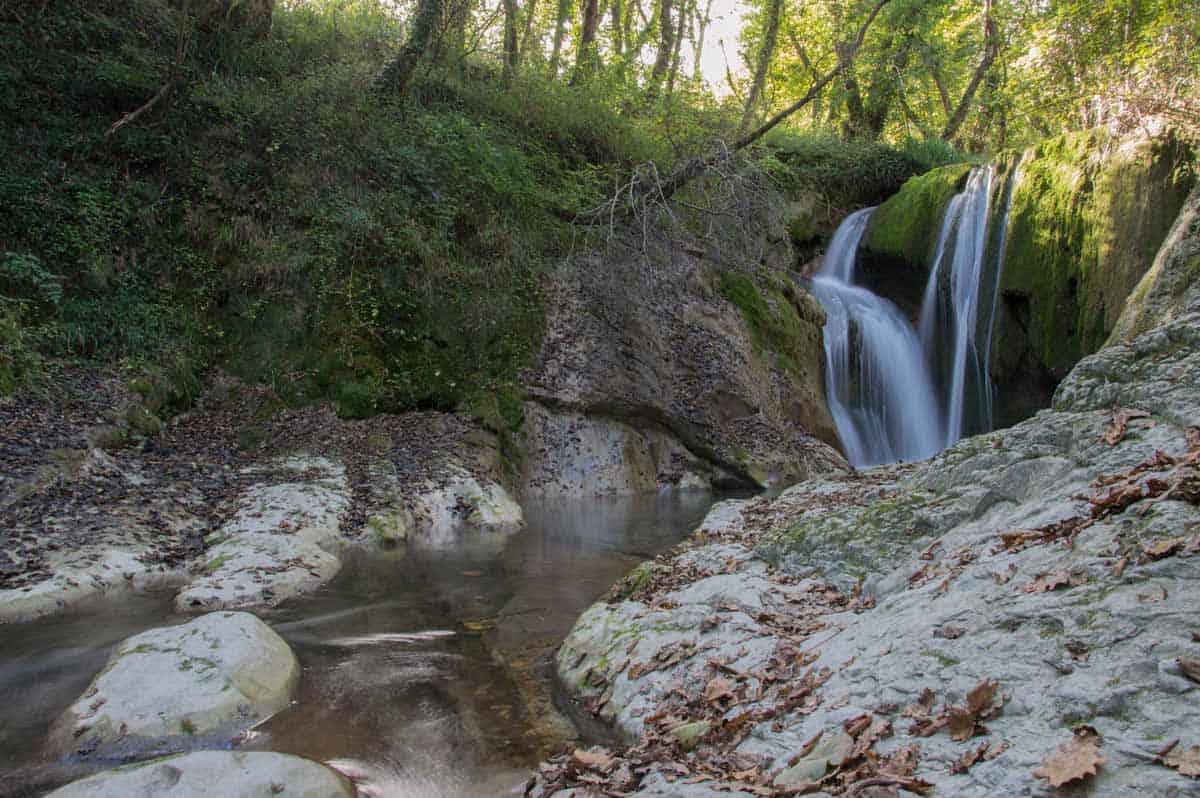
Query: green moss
x,y
213,565
1087,219
780,321
142,422
943,659
905,227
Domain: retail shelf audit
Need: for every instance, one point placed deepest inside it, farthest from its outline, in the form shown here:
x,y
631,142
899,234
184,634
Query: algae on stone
x,y
905,227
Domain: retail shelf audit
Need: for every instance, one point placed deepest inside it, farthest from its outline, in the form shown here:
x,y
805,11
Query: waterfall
x,y
879,388
896,394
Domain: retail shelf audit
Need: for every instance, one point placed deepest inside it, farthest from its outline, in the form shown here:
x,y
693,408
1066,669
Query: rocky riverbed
x,y
1014,617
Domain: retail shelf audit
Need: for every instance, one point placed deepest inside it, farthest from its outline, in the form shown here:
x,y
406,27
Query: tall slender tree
x,y
562,17
666,46
763,63
397,75
586,55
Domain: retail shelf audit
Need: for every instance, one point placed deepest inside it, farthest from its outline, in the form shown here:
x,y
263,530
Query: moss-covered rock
x,y
1088,215
1172,286
905,227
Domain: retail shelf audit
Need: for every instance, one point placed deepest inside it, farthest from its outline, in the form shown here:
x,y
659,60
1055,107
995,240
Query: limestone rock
x,y
673,368
169,688
229,774
1086,633
283,540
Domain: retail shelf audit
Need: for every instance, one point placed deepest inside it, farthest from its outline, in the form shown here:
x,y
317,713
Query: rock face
x,y
666,364
283,539
1088,215
175,687
962,619
1172,285
230,774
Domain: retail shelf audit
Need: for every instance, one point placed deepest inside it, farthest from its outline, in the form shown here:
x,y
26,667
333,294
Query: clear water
x,y
426,670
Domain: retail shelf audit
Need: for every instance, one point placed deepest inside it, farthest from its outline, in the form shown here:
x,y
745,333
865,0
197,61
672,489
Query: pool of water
x,y
426,670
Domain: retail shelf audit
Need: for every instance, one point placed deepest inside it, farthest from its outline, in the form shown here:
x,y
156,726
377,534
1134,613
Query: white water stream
x,y
896,395
876,378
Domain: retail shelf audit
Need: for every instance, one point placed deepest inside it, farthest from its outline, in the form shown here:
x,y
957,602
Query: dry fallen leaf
x,y
1159,549
1120,423
1186,761
719,688
1076,759
1048,582
596,760
1190,668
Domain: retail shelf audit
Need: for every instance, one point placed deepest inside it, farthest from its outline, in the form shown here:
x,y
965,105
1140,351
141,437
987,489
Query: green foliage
x,y
849,174
275,216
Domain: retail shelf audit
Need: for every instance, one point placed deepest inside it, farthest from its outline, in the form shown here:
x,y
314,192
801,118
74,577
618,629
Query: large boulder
x,y
229,774
956,622
180,686
679,361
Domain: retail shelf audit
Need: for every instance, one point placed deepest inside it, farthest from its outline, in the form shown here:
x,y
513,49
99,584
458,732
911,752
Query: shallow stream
x,y
426,670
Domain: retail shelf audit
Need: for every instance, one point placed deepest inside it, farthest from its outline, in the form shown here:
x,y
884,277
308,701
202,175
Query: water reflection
x,y
426,670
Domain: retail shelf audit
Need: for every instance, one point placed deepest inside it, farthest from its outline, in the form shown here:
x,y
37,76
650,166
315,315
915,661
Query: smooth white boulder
x,y
229,774
167,688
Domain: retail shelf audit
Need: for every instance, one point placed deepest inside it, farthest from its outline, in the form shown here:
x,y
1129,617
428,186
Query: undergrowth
x,y
276,217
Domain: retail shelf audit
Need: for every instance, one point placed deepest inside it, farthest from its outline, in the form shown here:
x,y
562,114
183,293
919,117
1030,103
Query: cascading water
x,y
894,394
950,311
876,378
959,305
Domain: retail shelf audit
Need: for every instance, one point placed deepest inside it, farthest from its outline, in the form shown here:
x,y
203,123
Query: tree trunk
x,y
510,39
673,72
765,53
616,13
527,38
666,46
991,48
702,23
560,31
398,74
585,56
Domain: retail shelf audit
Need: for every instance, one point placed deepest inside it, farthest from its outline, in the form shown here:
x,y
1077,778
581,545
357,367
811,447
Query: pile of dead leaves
x,y
963,721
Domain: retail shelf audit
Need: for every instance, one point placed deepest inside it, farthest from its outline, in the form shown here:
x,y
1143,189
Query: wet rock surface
x,y
226,773
949,626
180,687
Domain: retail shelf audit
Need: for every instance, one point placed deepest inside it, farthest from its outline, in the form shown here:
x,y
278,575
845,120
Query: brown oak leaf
x,y
596,760
1190,668
1159,549
1075,759
1187,761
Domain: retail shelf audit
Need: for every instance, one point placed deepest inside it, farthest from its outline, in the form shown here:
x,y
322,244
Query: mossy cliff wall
x,y
1088,215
